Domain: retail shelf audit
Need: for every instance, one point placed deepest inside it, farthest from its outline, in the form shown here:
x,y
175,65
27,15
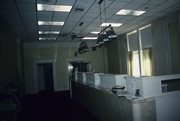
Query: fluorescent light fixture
x,y
89,38
50,23
42,38
124,12
53,38
95,32
60,8
48,32
130,12
112,24
138,13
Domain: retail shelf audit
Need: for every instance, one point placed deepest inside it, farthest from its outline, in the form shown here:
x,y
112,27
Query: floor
x,y
52,107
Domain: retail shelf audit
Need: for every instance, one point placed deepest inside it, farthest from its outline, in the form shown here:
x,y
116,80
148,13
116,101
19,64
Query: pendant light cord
x,y
104,11
100,15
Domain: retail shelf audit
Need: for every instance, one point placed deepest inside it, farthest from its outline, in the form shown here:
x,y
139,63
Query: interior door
x,y
45,77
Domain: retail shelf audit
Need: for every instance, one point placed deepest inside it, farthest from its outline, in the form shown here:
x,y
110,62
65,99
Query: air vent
x,y
78,9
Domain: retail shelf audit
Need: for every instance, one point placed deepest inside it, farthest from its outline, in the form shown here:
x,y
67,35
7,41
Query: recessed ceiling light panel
x,y
124,12
94,32
41,38
138,13
44,38
130,12
48,32
112,24
50,23
89,38
59,8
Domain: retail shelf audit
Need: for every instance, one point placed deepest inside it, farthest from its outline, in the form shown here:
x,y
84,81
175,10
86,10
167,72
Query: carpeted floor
x,y
52,107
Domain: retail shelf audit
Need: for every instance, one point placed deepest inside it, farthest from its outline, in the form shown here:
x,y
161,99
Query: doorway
x,y
45,80
76,65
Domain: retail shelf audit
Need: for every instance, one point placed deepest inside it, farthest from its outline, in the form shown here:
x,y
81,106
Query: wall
x,y
8,61
60,53
113,54
175,46
166,45
165,48
117,54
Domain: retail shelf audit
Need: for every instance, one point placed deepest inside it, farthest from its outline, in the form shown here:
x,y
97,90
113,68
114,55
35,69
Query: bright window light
x,y
94,32
130,12
135,64
50,23
48,32
112,24
60,8
89,38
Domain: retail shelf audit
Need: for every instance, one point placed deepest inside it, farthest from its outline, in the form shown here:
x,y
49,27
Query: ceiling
x,y
22,16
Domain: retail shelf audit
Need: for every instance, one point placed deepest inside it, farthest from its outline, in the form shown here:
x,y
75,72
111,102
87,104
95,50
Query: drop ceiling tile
x,y
7,6
149,13
84,2
26,1
9,22
43,35
26,7
6,0
118,4
123,0
47,35
159,9
45,16
74,17
56,28
116,18
147,7
58,16
140,1
170,9
48,2
43,28
133,6
171,3
159,14
156,2
65,2
126,19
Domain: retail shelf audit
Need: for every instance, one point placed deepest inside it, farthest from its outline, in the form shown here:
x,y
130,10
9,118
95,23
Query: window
x,y
140,52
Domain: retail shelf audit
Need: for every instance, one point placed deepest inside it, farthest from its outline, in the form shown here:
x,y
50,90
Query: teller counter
x,y
107,106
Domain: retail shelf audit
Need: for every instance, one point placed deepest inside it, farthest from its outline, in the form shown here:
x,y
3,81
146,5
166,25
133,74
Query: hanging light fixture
x,y
83,47
110,33
99,40
105,37
107,33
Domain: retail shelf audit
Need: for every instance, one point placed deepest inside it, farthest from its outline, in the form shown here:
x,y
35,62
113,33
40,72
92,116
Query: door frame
x,y
42,61
68,61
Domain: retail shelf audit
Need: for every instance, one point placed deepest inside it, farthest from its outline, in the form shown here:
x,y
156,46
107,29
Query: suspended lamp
x,y
111,34
107,33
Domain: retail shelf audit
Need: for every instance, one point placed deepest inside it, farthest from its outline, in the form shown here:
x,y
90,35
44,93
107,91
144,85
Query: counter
x,y
107,106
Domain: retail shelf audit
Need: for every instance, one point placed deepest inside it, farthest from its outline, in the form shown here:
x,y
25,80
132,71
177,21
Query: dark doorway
x,y
45,77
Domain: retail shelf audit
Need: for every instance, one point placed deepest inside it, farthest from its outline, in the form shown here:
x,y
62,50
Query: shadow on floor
x,y
52,107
